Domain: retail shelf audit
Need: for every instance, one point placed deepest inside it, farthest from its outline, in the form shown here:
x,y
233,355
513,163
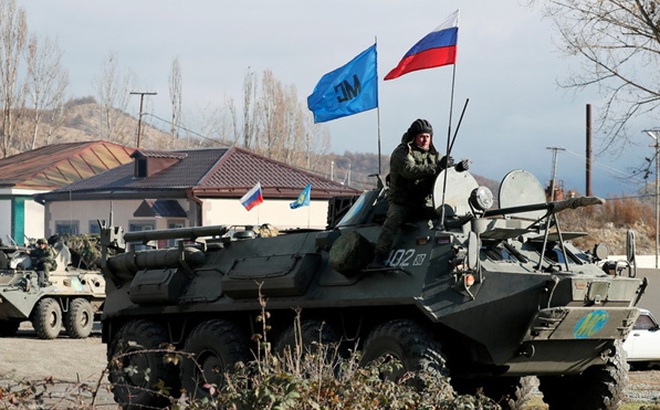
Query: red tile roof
x,y
57,165
239,170
212,172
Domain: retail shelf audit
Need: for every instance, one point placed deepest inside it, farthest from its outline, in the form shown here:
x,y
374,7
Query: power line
x,y
619,173
188,130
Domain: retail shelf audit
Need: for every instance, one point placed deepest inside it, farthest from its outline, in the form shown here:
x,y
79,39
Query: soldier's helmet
x,y
41,240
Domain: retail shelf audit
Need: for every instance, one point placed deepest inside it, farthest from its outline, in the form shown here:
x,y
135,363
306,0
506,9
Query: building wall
x,y
271,211
34,219
21,217
5,214
83,214
651,298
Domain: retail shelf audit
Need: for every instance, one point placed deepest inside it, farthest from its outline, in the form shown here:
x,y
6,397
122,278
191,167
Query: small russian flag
x,y
253,197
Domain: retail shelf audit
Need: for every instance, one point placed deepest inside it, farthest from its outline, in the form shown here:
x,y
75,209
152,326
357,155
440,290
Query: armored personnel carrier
x,y
72,297
485,296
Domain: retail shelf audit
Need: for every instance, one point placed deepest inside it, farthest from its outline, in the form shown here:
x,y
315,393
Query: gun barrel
x,y
555,206
177,233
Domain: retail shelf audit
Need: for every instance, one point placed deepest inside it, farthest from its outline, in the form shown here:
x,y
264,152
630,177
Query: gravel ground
x,y
71,369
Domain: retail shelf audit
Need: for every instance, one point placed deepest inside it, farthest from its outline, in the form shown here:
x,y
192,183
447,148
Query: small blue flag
x,y
348,90
303,198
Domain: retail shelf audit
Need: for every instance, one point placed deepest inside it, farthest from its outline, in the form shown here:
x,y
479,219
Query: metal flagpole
x,y
447,151
378,107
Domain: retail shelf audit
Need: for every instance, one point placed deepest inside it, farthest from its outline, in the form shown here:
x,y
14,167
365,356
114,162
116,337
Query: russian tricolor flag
x,y
253,197
436,49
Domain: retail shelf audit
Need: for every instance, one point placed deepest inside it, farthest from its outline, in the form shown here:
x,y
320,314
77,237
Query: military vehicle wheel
x,y
511,393
313,332
136,369
78,321
47,318
216,345
598,387
408,342
9,327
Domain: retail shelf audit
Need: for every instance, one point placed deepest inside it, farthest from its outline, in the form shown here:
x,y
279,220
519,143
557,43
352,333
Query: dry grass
x,y
608,224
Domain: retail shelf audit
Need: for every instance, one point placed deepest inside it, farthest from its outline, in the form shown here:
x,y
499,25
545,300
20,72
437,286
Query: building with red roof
x,y
42,170
196,187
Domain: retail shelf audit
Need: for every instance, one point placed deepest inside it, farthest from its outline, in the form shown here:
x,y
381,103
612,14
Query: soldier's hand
x,y
462,166
446,162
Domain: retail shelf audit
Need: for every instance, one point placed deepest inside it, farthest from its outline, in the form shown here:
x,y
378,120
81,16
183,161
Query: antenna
x,y
555,153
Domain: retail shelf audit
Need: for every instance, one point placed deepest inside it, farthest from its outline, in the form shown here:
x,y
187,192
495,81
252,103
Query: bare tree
x,y
13,37
275,123
619,45
175,96
45,86
281,126
112,91
249,95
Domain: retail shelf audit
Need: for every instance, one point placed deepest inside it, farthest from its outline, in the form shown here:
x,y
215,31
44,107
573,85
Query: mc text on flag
x,y
348,90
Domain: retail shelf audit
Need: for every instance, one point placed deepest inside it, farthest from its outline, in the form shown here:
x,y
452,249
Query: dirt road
x,y
68,371
71,370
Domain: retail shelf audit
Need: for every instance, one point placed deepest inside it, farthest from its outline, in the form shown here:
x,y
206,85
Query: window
x,y
138,226
140,167
94,227
174,225
141,226
67,227
644,322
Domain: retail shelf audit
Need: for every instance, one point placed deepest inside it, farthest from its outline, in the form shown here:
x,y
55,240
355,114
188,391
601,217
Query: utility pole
x,y
555,151
139,128
655,134
588,149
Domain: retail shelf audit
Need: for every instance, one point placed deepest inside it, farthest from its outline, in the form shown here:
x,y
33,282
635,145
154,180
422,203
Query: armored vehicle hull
x,y
72,298
486,296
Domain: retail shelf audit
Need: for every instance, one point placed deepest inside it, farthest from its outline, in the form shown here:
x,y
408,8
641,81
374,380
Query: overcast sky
x,y
508,67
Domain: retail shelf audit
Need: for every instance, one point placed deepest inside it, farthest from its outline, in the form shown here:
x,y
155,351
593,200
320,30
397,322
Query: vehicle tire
x,y
411,344
46,318
136,365
215,346
511,393
597,388
9,327
313,333
78,321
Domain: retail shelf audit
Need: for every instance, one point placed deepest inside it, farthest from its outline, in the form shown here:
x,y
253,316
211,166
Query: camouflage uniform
x,y
45,261
412,175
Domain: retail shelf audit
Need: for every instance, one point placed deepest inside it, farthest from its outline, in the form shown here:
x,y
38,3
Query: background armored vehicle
x,y
485,296
73,297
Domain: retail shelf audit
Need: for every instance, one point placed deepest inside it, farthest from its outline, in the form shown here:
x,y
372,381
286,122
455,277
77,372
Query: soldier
x,y
414,165
44,257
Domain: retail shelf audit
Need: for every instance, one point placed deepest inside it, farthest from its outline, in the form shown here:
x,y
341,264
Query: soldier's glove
x,y
446,162
462,166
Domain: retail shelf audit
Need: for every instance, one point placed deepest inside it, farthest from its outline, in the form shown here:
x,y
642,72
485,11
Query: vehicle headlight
x,y
481,198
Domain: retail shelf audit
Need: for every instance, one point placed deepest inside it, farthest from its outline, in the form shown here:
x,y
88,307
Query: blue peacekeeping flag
x,y
303,198
348,90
